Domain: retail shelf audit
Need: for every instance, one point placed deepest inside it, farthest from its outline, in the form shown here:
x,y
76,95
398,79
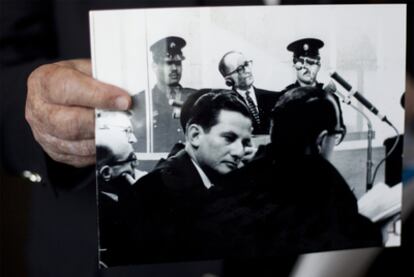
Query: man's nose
x,y
132,138
237,150
248,69
306,64
132,171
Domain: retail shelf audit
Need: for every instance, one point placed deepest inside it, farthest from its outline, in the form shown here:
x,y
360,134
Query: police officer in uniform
x,y
166,94
306,61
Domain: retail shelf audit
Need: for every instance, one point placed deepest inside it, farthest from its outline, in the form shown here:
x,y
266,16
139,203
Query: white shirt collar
x,y
252,94
206,181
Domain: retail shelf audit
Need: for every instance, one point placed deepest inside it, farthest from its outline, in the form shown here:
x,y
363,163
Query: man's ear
x,y
154,66
319,68
106,172
229,81
194,134
294,60
321,140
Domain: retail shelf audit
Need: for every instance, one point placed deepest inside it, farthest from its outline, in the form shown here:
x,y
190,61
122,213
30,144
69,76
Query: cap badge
x,y
305,47
172,45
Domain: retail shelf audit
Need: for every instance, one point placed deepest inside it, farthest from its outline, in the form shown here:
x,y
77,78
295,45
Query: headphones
x,y
106,172
229,81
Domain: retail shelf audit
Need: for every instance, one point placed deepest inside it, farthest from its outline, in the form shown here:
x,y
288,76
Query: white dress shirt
x,y
252,94
206,181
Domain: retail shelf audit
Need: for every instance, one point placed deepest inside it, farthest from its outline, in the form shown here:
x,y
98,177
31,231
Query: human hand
x,y
61,98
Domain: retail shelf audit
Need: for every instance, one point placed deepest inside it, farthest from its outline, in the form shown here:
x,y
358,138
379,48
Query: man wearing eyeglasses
x,y
116,171
237,71
115,140
306,61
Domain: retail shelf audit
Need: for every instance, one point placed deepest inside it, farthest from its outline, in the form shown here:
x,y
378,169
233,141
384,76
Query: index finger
x,y
83,65
68,86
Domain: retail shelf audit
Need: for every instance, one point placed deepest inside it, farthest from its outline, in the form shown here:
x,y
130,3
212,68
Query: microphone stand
x,y
370,164
370,136
370,179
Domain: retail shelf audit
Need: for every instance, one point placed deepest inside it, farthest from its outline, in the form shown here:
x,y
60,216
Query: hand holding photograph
x,y
253,130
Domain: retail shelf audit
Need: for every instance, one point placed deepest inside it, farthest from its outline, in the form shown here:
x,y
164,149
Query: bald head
x,y
229,61
117,142
236,70
118,123
115,155
114,132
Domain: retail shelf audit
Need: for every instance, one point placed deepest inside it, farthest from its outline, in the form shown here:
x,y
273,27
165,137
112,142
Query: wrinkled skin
x,y
61,98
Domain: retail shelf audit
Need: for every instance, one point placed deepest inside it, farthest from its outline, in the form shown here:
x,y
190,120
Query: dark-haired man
x,y
164,202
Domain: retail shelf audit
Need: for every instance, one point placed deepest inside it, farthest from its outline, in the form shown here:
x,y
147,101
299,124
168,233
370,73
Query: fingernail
x,y
122,103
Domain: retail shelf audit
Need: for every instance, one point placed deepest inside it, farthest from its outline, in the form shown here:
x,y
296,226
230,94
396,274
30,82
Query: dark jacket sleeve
x,y
27,40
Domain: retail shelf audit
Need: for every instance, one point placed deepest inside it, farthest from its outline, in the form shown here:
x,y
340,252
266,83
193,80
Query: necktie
x,y
174,96
252,108
173,93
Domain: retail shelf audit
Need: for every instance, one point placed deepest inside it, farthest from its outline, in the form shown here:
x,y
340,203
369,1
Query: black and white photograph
x,y
254,132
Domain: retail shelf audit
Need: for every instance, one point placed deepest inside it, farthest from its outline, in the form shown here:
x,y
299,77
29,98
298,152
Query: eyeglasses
x,y
130,135
339,135
132,159
241,68
302,61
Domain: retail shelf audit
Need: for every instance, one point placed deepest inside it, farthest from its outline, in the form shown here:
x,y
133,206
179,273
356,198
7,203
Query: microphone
x,y
330,87
358,96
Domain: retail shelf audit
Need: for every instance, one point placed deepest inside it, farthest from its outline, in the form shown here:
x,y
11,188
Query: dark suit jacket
x,y
266,100
271,207
277,207
157,213
110,221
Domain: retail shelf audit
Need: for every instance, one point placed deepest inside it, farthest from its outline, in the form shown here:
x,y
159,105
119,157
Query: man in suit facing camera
x,y
238,74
